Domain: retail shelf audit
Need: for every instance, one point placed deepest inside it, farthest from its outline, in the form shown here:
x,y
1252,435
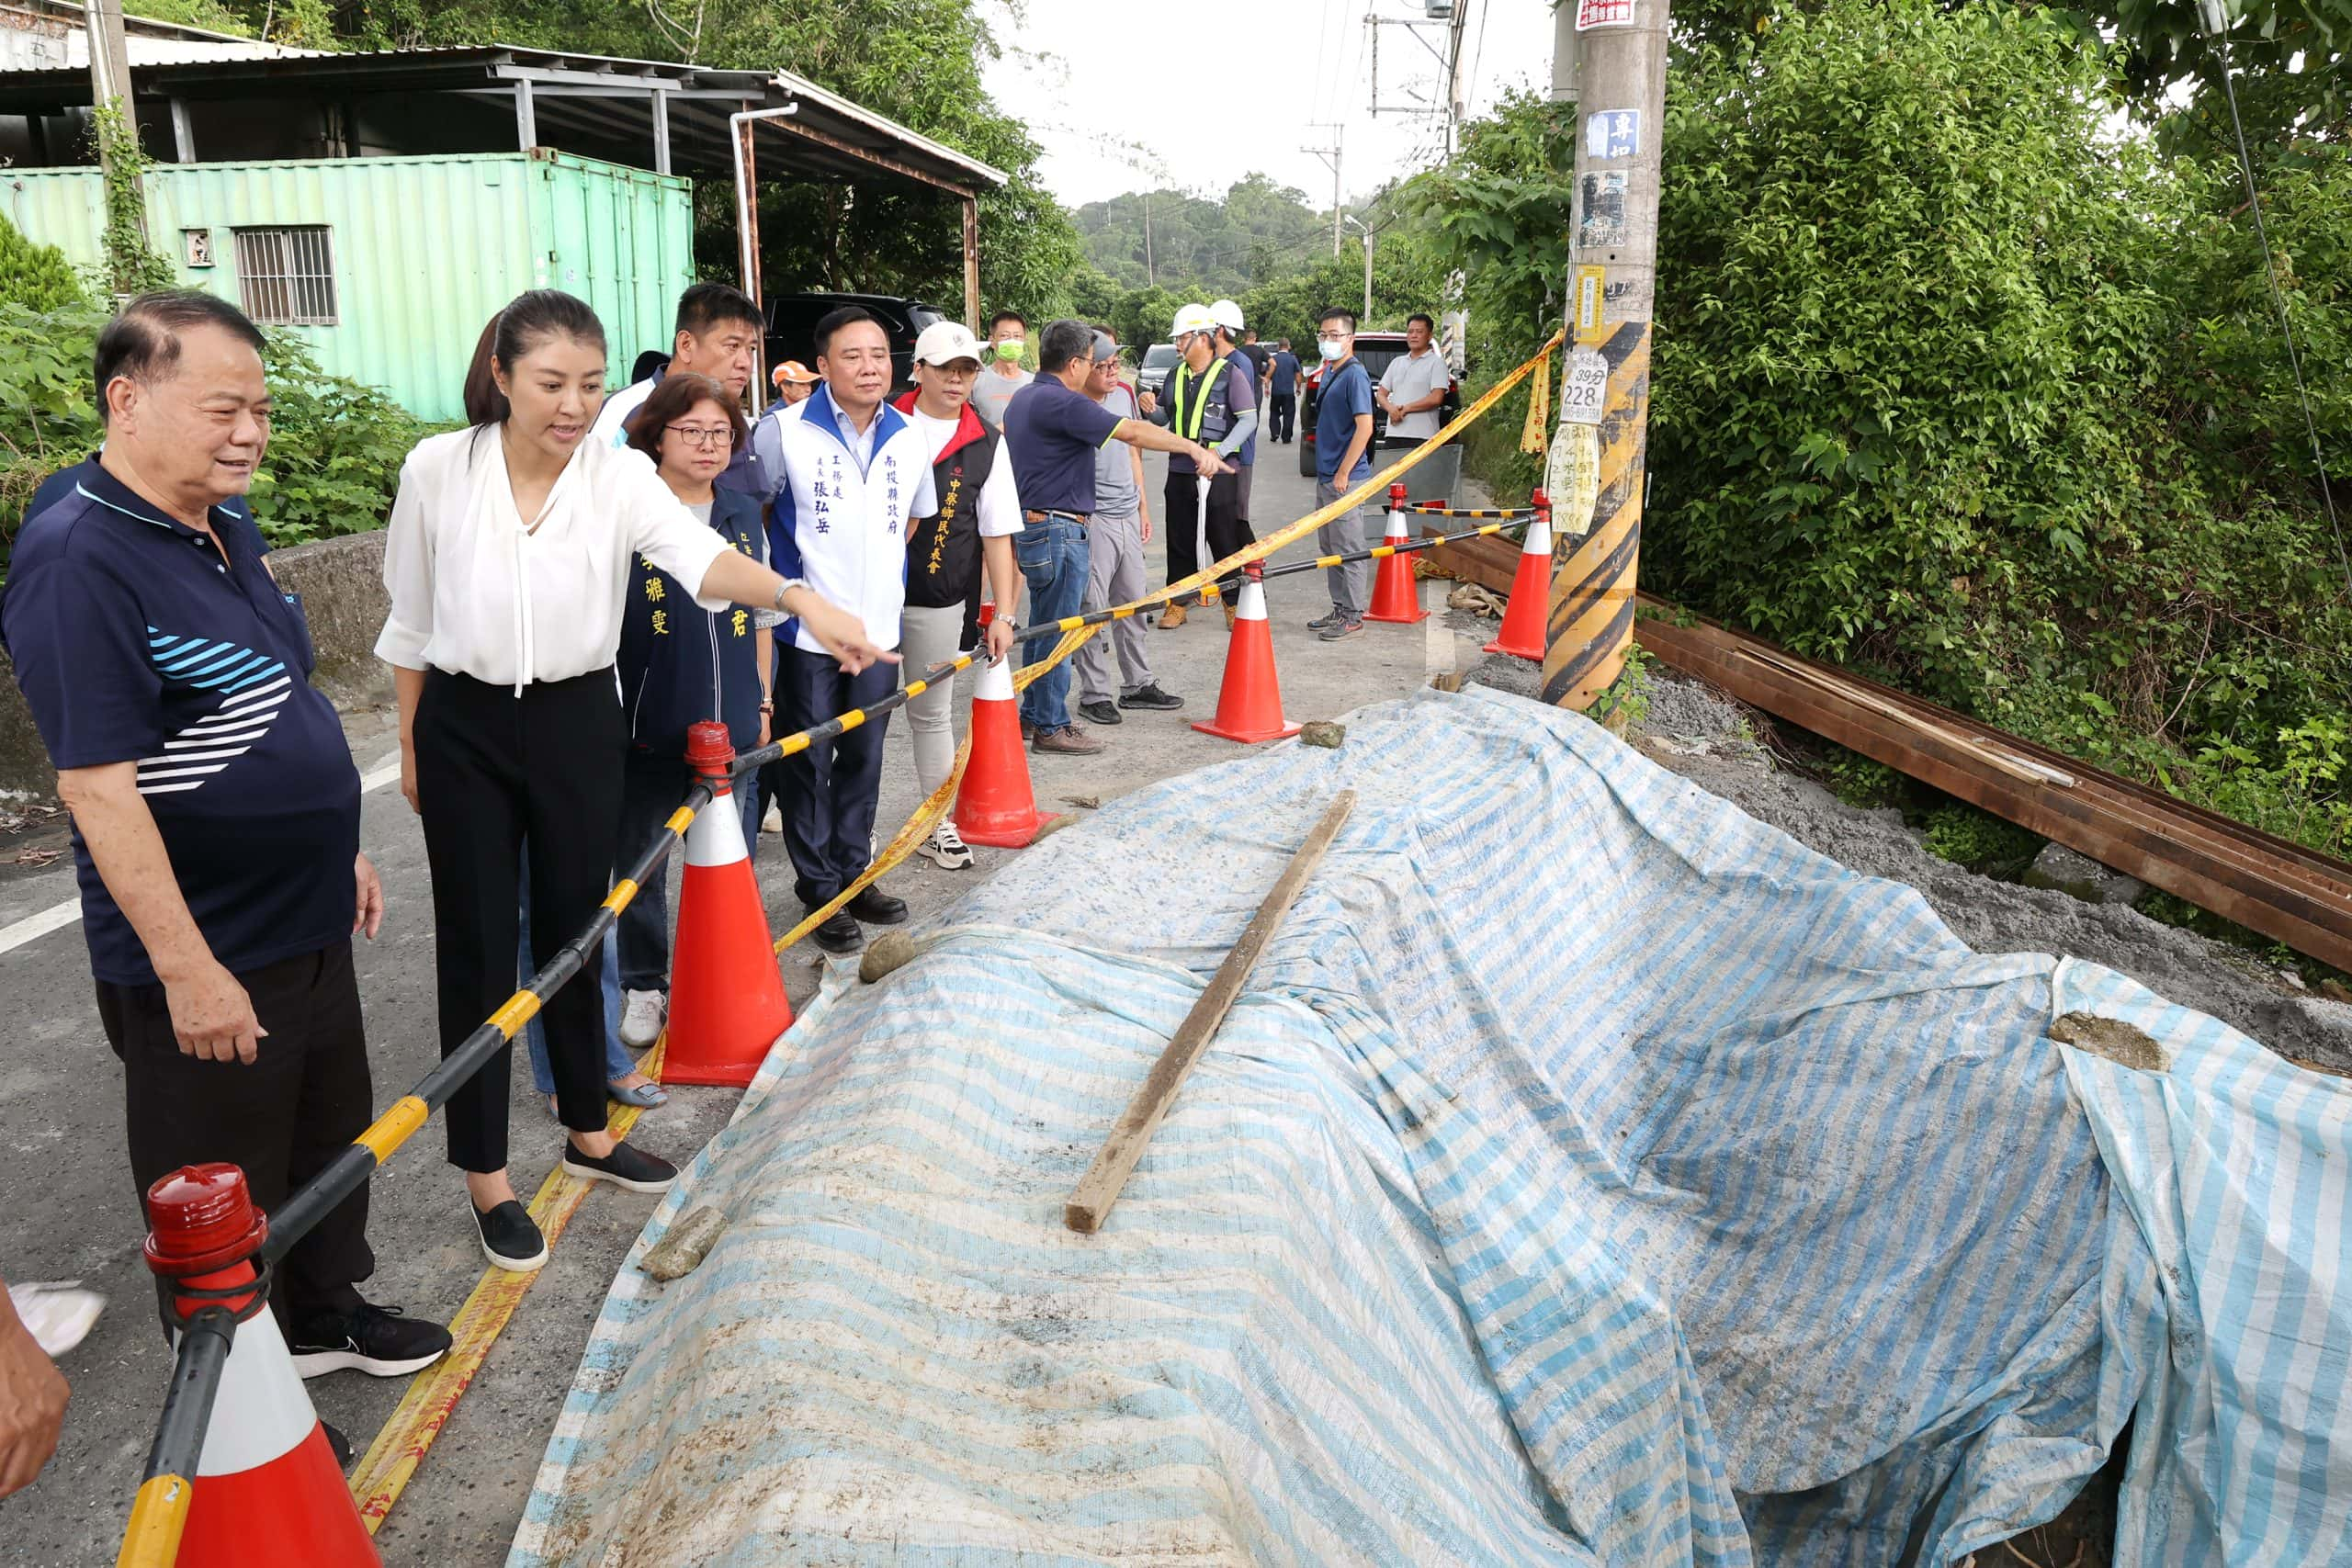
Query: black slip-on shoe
x,y
511,1238
839,934
376,1340
337,1445
627,1167
876,907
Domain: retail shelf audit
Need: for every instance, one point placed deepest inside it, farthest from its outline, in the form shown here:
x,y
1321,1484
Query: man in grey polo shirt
x,y
1414,385
1121,527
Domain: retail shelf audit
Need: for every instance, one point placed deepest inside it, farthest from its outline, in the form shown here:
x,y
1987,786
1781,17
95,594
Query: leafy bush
x,y
1957,381
35,276
335,447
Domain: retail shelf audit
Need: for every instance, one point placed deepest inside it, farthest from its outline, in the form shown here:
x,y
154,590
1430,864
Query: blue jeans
x,y
1053,558
618,1063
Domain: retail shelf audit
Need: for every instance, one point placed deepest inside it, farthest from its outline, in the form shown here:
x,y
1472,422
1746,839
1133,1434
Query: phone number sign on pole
x,y
1591,13
1586,389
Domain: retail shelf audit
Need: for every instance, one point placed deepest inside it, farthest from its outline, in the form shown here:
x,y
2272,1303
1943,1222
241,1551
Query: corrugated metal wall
x,y
424,249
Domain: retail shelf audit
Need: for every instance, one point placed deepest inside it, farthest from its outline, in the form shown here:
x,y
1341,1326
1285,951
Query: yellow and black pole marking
x,y
1590,620
1521,517
1430,509
167,1490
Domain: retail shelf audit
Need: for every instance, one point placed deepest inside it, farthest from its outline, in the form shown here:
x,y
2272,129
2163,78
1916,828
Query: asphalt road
x,y
72,1211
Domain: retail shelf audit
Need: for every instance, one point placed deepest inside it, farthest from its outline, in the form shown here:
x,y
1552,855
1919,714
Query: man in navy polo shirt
x,y
1342,435
1052,431
215,811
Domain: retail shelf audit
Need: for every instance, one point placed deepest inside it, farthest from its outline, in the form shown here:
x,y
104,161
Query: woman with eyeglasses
x,y
680,664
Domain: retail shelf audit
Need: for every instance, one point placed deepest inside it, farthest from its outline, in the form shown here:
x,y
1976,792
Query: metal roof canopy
x,y
623,110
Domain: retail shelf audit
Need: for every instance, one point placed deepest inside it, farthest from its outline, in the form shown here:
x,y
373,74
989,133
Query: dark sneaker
x,y
1067,742
1325,623
337,1445
627,1167
1151,698
371,1339
840,933
1028,733
511,1238
1342,632
1099,712
874,908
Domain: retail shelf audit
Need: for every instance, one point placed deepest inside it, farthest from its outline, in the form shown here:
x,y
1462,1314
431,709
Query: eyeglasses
x,y
702,434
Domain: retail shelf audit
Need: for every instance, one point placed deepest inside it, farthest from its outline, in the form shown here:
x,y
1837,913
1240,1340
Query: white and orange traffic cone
x,y
1394,596
995,805
1250,703
727,1003
1531,590
267,1491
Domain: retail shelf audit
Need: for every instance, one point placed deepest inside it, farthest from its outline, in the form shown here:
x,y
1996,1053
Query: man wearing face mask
x,y
994,387
1342,432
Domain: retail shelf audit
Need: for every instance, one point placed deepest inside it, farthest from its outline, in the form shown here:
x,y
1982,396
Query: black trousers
x,y
831,789
1282,416
1227,530
280,1118
493,768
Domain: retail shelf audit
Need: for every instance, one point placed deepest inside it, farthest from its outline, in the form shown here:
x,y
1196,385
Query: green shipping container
x,y
392,266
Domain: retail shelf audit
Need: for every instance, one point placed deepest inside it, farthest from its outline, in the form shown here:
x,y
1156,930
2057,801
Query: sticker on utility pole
x,y
1600,207
1591,13
1612,133
1586,389
1590,297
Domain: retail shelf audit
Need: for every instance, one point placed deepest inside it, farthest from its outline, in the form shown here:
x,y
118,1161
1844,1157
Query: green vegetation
x,y
131,265
35,277
1967,377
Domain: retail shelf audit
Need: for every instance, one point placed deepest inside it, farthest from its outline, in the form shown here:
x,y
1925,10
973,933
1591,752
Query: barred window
x,y
288,275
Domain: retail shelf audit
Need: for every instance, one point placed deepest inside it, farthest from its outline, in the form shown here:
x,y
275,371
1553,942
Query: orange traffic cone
x,y
1249,704
995,806
1531,590
1394,597
268,1492
727,1001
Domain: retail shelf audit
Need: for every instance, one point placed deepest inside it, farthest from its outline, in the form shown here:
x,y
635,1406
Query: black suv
x,y
792,328
1373,351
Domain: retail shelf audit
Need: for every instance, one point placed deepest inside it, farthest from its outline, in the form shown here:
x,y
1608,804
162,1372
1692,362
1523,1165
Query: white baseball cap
x,y
943,342
1226,314
1191,319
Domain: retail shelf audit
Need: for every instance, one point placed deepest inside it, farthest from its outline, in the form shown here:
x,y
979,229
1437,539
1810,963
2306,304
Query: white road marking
x,y
32,928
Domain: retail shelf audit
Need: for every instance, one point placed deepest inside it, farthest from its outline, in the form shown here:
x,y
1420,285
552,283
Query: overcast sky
x,y
1101,82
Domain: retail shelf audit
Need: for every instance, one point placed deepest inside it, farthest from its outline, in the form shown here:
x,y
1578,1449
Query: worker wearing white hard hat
x,y
1211,399
1226,317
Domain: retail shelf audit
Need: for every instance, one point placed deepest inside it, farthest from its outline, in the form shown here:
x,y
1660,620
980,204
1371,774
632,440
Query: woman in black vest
x,y
979,511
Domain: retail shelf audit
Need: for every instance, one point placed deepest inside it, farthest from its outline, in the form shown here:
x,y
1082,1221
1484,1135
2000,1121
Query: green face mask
x,y
1008,351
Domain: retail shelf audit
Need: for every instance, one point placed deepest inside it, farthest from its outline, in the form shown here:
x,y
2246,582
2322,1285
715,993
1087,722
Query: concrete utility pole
x,y
1365,320
1620,91
1331,155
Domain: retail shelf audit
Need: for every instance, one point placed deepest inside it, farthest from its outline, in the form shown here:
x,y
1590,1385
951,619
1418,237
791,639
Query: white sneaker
x,y
773,821
945,847
641,1018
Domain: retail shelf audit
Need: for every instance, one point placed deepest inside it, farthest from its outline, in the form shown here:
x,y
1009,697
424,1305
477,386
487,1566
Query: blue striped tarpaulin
x,y
1590,1175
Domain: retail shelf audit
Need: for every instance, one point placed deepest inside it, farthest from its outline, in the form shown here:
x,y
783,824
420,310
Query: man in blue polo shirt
x,y
1342,434
1052,431
215,811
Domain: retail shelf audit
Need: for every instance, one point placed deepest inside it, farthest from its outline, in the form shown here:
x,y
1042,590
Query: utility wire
x,y
2216,23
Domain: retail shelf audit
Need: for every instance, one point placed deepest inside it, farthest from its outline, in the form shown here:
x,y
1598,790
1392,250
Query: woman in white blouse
x,y
508,558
